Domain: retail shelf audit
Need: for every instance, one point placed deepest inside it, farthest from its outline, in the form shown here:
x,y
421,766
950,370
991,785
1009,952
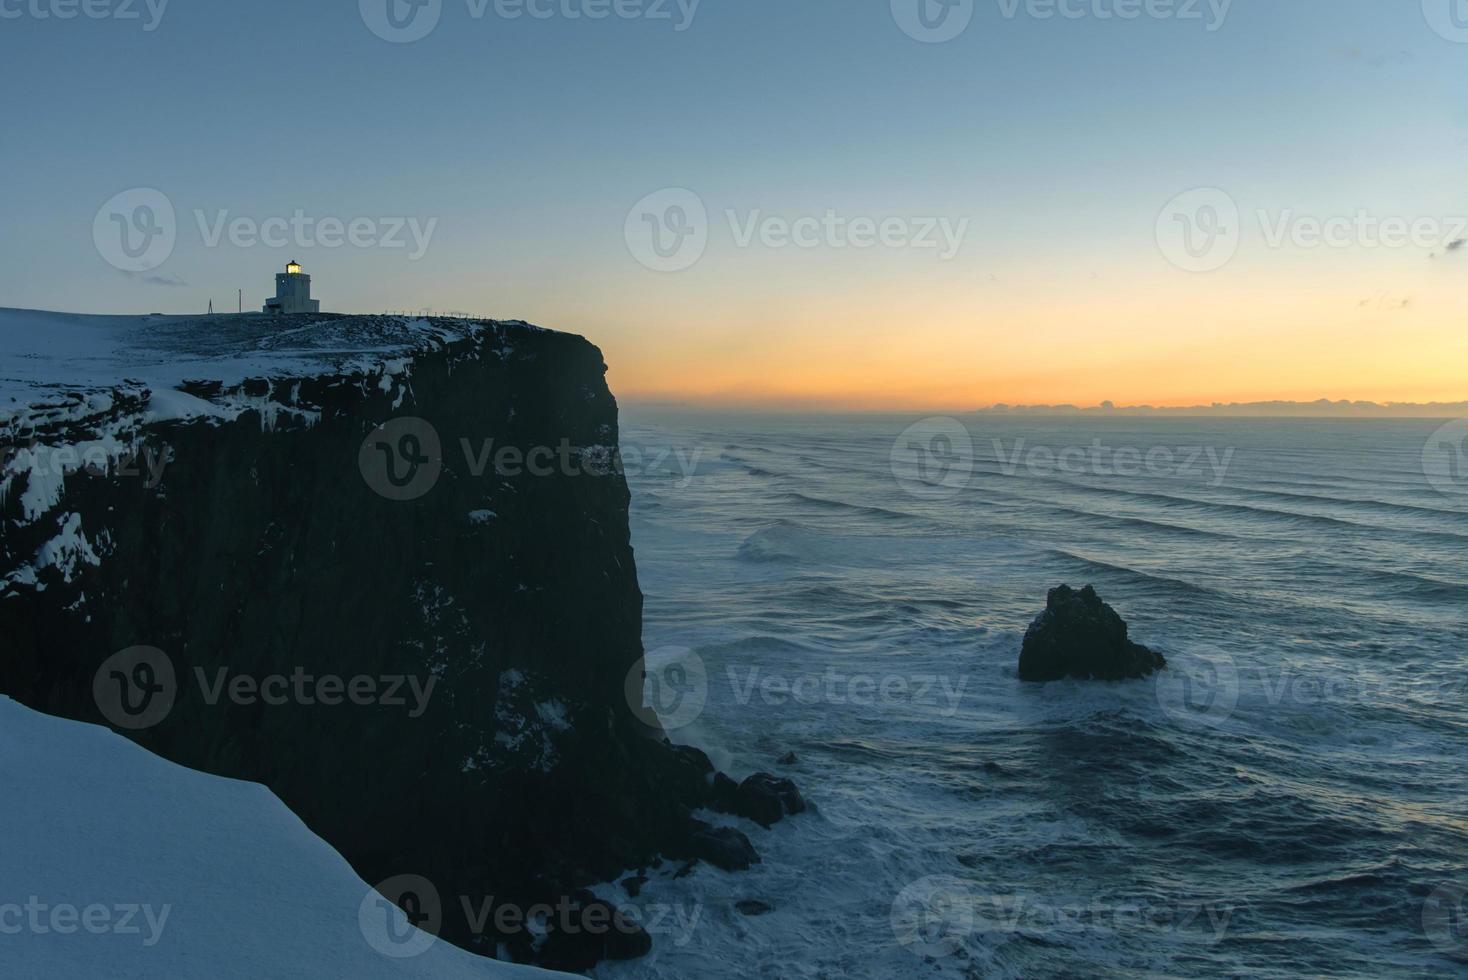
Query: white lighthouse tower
x,y
292,292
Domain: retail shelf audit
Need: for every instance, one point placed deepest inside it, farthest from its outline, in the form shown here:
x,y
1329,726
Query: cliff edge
x,y
381,565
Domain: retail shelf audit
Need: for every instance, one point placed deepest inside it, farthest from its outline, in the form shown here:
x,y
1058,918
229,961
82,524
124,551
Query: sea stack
x,y
1081,637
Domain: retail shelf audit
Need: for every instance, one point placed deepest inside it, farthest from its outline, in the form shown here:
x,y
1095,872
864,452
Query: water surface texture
x,y
1287,799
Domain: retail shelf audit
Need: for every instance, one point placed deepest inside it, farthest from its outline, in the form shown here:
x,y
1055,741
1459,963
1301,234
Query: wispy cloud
x,y
1453,246
168,281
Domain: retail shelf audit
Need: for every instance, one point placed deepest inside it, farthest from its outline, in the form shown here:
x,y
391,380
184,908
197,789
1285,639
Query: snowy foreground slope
x,y
118,864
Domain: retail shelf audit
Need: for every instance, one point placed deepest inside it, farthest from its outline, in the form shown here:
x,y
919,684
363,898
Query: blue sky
x,y
528,140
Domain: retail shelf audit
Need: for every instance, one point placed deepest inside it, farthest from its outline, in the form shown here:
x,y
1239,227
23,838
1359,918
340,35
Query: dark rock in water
x,y
632,885
1082,637
592,931
753,906
766,799
686,870
788,759
723,847
763,798
725,793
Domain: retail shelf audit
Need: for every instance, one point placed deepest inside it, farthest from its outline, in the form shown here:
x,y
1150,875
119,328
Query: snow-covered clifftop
x,y
77,391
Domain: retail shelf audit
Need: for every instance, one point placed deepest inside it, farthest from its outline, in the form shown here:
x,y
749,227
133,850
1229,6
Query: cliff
x,y
381,566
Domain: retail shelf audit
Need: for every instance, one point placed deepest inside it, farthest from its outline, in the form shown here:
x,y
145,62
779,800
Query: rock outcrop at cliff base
x,y
1079,636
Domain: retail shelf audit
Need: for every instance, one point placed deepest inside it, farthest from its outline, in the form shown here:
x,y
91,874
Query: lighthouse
x,y
292,292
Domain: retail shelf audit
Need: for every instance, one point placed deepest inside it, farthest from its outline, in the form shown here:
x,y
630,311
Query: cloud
x,y
168,281
1377,60
1386,302
171,281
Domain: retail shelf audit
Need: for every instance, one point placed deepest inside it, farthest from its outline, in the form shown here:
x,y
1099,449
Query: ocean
x,y
1287,799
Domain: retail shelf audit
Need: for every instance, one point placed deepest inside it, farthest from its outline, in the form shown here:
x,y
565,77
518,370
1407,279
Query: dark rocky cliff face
x,y
503,594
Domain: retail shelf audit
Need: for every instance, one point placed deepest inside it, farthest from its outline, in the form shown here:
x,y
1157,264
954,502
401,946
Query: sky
x,y
824,204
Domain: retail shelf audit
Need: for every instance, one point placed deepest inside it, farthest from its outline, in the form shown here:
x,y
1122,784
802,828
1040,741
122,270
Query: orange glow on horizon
x,y
1167,341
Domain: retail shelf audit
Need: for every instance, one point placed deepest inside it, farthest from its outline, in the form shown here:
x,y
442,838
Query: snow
x,y
79,390
44,354
68,550
119,864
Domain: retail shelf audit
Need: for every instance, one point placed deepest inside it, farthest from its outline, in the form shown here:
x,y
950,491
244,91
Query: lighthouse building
x,y
292,292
